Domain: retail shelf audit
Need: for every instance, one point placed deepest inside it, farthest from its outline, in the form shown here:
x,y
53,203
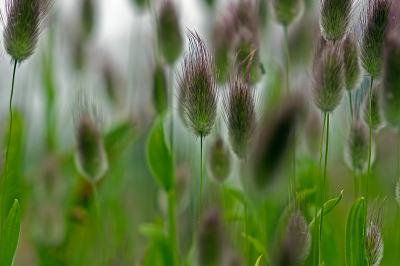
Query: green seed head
x,y
377,121
198,92
356,150
219,160
335,19
23,21
329,78
375,22
286,11
169,33
352,63
240,111
391,82
373,235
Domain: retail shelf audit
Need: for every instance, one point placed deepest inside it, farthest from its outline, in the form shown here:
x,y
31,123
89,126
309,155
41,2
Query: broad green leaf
x,y
258,261
10,235
328,207
160,241
159,157
355,235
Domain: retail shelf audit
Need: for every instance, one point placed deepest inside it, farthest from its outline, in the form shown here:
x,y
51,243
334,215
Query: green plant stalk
x,y
397,205
323,187
171,106
354,160
103,239
172,224
201,177
245,213
351,107
8,148
369,146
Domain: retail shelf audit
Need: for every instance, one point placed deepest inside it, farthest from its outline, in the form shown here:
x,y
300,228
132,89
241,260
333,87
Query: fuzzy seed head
x,y
335,19
377,121
375,22
198,92
23,21
219,162
286,11
351,62
357,148
169,33
373,235
391,82
297,241
240,112
329,78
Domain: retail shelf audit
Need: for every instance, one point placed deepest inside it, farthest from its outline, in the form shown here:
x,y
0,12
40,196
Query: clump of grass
x,y
219,160
198,94
373,235
335,18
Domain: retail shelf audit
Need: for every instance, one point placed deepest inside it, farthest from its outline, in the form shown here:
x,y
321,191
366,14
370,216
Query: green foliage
x,y
159,156
10,235
355,235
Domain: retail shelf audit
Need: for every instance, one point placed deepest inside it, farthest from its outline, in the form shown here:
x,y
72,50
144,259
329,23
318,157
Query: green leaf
x,y
10,235
328,207
355,235
160,241
258,261
258,246
237,194
159,157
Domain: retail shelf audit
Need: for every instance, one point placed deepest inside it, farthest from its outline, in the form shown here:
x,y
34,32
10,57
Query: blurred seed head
x,y
357,147
49,225
398,192
373,235
273,141
210,240
219,160
313,130
377,121
160,93
375,21
335,19
297,241
169,32
391,82
198,92
87,17
329,78
240,111
23,22
90,156
141,3
286,12
352,63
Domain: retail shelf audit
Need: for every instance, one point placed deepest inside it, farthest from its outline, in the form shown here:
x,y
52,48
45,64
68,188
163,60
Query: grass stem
x,y
172,224
4,198
370,142
103,239
201,177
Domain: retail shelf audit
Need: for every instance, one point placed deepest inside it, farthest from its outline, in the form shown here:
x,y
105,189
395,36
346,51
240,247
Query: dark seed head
x,y
391,82
219,160
240,112
375,22
335,19
373,234
377,121
198,92
169,32
329,78
23,21
351,62
286,11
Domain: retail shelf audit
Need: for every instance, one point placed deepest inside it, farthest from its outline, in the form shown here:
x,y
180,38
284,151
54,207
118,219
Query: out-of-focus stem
x,y
370,141
103,239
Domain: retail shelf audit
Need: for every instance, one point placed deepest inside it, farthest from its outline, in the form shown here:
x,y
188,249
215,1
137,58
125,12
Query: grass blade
x,y
10,235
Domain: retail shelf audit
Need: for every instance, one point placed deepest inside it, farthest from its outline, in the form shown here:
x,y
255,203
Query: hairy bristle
x,y
373,235
286,12
219,160
198,92
335,19
23,22
329,78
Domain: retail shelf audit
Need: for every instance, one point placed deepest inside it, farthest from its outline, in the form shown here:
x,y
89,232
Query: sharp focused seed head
x,y
219,160
198,92
169,32
240,111
377,121
352,63
286,11
373,234
329,78
297,241
391,82
356,150
23,21
335,19
375,22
